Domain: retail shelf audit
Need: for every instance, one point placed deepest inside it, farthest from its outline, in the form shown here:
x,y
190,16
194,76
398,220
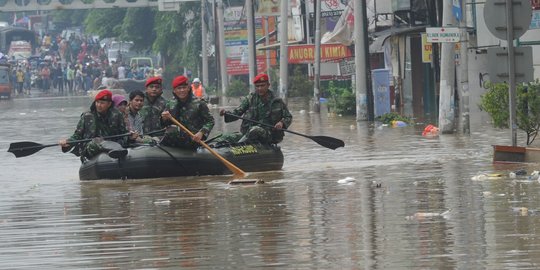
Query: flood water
x,y
390,199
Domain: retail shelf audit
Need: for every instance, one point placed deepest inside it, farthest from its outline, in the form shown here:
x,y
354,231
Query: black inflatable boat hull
x,y
161,161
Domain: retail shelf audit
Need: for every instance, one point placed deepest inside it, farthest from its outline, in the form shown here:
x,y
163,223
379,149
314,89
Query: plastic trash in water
x,y
425,215
430,131
346,180
397,123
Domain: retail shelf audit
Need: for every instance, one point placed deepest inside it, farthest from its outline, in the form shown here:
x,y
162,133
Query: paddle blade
x,y
23,149
328,142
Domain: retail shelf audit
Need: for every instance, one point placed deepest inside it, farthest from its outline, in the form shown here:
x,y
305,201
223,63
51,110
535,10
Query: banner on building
x,y
303,54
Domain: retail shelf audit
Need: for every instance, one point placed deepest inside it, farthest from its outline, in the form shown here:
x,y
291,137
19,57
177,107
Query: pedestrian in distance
x,y
154,104
198,90
101,120
20,80
191,112
261,106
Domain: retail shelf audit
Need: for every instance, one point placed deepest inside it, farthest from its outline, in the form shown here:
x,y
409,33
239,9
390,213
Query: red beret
x,y
261,78
152,80
104,95
179,81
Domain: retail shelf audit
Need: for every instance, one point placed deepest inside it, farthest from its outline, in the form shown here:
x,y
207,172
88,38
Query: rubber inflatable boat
x,y
154,161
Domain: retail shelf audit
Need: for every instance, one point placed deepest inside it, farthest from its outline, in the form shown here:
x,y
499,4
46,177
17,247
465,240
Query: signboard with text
x,y
329,8
236,44
303,54
443,34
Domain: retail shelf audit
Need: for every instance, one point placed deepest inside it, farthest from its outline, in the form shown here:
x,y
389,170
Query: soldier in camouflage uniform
x,y
191,112
262,106
154,105
102,120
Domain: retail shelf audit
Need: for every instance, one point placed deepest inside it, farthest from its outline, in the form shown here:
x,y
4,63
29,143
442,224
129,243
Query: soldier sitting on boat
x,y
191,112
102,120
262,106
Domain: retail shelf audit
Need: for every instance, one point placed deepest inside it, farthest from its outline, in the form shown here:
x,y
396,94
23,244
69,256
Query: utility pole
x,y
360,62
308,37
267,42
204,44
252,60
283,51
446,96
511,69
222,56
464,75
317,74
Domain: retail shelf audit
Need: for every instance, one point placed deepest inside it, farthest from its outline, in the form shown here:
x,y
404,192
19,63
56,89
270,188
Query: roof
x,y
276,46
381,36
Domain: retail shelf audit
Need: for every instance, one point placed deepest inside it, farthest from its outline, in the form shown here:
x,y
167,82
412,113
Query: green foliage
x,y
495,103
341,99
105,22
387,118
211,90
237,88
300,85
177,37
68,17
141,32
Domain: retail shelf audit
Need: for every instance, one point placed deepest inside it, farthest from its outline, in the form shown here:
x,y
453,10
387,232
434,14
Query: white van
x,y
118,47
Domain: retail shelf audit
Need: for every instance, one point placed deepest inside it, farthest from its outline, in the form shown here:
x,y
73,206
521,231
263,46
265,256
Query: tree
x,y
495,103
138,29
105,23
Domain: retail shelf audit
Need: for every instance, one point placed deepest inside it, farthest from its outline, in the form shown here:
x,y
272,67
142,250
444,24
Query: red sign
x,y
535,4
235,66
303,54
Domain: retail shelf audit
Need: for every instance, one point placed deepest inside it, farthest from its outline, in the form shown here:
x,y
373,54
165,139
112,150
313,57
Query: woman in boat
x,y
191,112
262,106
101,120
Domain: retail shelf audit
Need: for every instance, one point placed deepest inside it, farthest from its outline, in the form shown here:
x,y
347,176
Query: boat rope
x,y
170,155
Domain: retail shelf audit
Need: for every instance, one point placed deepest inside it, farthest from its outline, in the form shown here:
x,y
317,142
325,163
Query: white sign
x,y
443,34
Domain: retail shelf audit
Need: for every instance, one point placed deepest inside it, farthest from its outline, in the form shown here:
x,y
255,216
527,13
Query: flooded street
x,y
390,199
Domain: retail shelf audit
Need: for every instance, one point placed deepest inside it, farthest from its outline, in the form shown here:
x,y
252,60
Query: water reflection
x,y
391,199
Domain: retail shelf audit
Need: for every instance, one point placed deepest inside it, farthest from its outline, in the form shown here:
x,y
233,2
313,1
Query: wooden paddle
x,y
328,142
23,149
235,170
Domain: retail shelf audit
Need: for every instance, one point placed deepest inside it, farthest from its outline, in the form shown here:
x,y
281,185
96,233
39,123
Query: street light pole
x,y
283,50
252,60
317,73
204,50
222,56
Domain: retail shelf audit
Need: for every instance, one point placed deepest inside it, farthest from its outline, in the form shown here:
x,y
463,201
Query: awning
x,y
276,46
380,37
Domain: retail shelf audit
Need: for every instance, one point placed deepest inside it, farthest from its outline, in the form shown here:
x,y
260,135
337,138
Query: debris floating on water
x,y
346,180
424,215
487,176
245,181
162,202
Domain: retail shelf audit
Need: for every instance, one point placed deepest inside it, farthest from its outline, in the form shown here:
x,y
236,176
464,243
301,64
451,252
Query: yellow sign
x,y
427,49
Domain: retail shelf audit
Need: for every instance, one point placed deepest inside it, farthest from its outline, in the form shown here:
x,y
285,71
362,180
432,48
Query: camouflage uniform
x,y
151,113
94,125
194,115
268,111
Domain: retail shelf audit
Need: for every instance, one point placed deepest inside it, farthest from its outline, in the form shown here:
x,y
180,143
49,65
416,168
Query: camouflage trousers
x,y
176,138
254,134
97,146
